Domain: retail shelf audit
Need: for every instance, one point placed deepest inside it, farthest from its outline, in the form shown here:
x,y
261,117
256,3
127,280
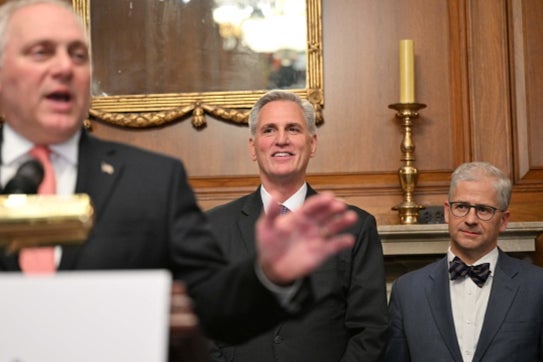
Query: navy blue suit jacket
x,y
422,326
349,320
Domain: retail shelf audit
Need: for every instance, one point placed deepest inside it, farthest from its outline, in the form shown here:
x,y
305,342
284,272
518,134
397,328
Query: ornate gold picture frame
x,y
153,110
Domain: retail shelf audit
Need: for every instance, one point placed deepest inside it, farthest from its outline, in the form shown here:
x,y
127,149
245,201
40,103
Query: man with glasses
x,y
477,303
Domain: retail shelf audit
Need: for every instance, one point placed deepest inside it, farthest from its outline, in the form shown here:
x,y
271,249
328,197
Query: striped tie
x,y
41,260
283,210
478,273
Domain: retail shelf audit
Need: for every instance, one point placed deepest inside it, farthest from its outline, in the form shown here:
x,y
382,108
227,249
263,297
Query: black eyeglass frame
x,y
477,208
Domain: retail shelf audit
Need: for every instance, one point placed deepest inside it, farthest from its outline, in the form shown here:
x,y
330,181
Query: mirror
x,y
155,62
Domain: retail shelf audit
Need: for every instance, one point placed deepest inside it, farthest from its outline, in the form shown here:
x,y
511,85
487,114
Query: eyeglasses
x,y
483,212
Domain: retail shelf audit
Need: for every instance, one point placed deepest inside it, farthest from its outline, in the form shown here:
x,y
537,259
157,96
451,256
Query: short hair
x,y
475,171
281,95
11,6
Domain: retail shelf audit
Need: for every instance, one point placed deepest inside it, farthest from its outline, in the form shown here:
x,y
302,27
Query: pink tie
x,y
48,185
41,260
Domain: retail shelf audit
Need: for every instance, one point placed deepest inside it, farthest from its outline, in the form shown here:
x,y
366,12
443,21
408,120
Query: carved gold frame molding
x,y
152,110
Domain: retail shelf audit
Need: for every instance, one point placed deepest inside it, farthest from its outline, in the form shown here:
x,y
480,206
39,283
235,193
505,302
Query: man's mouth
x,y
282,154
470,232
60,96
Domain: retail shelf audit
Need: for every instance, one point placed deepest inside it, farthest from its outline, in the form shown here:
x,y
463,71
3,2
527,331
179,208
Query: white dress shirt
x,y
15,151
284,294
469,304
293,203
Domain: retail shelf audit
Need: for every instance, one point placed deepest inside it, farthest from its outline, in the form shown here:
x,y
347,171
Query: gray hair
x,y
281,95
475,171
11,6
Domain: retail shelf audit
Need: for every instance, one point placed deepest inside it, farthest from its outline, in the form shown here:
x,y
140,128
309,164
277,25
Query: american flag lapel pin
x,y
107,168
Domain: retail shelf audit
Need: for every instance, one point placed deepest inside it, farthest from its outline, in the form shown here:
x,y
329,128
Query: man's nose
x,y
282,137
63,64
471,217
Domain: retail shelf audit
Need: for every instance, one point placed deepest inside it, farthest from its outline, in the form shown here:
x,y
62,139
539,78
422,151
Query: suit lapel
x,y
250,212
439,299
97,173
310,192
504,289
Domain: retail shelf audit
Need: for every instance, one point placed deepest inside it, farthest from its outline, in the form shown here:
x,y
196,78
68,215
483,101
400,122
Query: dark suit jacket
x,y
146,217
422,326
349,321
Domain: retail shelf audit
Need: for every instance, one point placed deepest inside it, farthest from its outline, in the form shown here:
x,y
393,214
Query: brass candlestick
x,y
408,173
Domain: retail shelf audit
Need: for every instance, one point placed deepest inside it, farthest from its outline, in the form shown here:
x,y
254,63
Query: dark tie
x,y
478,273
283,210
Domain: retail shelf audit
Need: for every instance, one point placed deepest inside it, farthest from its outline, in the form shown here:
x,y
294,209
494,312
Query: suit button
x,y
277,339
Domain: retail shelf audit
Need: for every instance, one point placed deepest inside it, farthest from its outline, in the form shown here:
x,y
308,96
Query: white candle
x,y
407,71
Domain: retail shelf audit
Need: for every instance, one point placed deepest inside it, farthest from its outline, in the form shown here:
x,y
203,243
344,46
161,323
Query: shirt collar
x,y
14,146
69,149
293,203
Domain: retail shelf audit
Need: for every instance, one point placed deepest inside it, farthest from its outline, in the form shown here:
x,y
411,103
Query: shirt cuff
x,y
284,294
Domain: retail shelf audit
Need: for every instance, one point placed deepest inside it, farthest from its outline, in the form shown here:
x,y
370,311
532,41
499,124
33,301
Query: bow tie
x,y
478,273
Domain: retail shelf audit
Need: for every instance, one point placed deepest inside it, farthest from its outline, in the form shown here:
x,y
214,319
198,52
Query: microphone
x,y
27,179
29,220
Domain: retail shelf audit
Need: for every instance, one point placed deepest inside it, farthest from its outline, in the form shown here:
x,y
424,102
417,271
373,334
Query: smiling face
x,y
282,145
472,238
45,73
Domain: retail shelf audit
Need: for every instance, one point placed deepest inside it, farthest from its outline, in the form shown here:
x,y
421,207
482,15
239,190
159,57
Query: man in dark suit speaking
x,y
350,319
476,304
146,215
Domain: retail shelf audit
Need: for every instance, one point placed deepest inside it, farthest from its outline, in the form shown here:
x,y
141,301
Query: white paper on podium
x,y
85,316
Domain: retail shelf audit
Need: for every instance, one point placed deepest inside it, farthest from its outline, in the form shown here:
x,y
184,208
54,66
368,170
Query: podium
x,y
85,316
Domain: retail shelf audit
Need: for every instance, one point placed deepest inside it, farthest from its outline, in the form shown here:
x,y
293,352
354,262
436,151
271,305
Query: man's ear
x,y
252,151
446,212
313,145
504,220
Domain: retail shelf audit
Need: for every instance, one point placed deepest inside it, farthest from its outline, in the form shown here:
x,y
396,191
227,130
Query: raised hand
x,y
293,245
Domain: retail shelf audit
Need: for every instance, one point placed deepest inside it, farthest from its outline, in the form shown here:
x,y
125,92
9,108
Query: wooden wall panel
x,y
533,56
527,75
490,121
362,79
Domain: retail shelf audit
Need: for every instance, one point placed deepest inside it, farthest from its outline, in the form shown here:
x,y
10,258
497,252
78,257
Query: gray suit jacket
x,y
349,321
422,327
